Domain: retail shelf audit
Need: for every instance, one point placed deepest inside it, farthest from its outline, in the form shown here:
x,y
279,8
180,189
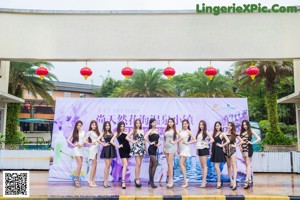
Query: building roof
x,y
292,98
10,98
75,87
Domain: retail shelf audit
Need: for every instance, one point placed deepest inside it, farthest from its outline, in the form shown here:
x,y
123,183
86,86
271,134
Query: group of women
x,y
220,146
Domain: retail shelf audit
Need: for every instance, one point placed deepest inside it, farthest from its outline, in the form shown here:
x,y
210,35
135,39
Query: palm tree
x,y
271,73
201,86
22,76
148,83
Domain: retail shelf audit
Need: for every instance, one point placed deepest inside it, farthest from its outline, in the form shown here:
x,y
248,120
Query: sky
x,y
70,71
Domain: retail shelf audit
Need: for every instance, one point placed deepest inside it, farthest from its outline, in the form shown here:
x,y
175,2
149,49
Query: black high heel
x,y
152,184
220,186
137,184
123,187
246,185
234,188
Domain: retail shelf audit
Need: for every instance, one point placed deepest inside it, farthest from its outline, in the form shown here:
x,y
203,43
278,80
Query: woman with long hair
x,y
169,147
247,149
202,149
230,153
124,149
152,137
138,148
91,136
108,151
77,142
217,153
184,148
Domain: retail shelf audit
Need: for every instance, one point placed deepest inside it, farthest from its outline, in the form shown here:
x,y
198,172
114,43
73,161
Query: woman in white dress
x,y
92,136
169,146
184,148
77,142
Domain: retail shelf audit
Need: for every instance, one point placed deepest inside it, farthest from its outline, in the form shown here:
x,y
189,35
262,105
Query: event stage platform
x,y
266,186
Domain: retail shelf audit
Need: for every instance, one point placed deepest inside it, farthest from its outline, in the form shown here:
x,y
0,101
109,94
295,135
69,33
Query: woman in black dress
x,y
217,153
124,149
152,137
108,151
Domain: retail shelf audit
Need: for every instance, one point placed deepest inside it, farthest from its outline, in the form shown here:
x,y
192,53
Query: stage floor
x,y
266,186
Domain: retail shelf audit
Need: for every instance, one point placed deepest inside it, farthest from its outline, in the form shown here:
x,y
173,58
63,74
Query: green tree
x,y
271,74
148,83
108,88
22,76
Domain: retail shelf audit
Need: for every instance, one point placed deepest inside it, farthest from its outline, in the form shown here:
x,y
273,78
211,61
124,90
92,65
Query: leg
x,y
203,162
153,169
183,169
234,166
138,162
248,170
124,170
106,171
218,172
228,161
78,169
170,158
150,168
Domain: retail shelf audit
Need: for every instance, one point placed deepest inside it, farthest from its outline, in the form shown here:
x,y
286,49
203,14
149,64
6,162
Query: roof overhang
x,y
292,98
8,98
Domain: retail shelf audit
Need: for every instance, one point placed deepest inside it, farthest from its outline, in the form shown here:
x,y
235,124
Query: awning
x,y
34,120
292,98
8,98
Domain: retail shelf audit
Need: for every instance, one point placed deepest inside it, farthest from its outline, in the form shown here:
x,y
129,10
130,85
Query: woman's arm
x,y
211,139
257,138
223,135
112,141
69,140
193,138
178,140
128,137
99,140
146,138
241,141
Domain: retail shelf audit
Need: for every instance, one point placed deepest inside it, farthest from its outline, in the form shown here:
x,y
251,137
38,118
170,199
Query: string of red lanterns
x,y
86,72
252,71
210,72
41,71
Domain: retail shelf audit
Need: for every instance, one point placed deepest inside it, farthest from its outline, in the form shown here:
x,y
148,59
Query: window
x,y
67,94
50,93
82,95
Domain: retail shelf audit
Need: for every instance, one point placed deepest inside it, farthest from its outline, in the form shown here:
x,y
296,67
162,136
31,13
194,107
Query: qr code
x,y
15,183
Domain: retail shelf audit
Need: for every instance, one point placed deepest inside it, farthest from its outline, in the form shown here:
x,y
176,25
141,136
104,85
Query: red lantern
x,y
42,71
127,72
169,72
210,72
252,71
86,72
27,105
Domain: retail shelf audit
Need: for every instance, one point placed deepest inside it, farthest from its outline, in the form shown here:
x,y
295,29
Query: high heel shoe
x,y
123,182
219,186
170,185
152,184
234,188
76,183
186,184
91,184
246,185
137,184
106,185
203,185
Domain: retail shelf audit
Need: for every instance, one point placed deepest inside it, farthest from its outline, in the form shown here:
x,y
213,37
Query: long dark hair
x,y
204,131
96,130
233,132
150,123
174,127
75,135
119,127
249,131
135,128
104,129
215,131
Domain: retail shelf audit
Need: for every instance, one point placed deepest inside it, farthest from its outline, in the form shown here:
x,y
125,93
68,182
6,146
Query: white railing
x,y
24,159
269,161
296,161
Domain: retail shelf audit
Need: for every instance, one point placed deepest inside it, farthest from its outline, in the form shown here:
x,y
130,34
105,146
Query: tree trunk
x,y
271,103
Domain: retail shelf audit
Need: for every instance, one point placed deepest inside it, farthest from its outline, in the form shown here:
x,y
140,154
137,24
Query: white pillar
x,y
297,90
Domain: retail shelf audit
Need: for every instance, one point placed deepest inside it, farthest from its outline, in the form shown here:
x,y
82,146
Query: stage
x,y
266,186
